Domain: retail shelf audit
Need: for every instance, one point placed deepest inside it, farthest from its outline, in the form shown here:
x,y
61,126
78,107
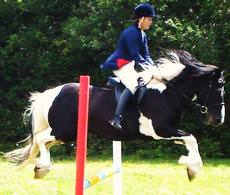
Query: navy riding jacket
x,y
132,45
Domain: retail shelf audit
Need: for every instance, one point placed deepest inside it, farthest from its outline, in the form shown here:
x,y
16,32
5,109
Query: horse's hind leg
x,y
34,150
43,164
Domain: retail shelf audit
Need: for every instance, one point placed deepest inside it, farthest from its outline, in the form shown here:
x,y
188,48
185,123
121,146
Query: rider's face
x,y
145,23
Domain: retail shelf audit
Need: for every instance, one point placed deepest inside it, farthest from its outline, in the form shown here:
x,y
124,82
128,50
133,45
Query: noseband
x,y
204,108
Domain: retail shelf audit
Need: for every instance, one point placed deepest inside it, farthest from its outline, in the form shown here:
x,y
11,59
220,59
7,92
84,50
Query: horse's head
x,y
211,97
211,91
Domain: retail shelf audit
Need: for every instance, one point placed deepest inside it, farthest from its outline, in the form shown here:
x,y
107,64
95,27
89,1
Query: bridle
x,y
202,107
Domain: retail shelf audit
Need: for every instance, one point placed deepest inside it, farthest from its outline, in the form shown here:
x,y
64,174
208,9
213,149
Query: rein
x,y
203,108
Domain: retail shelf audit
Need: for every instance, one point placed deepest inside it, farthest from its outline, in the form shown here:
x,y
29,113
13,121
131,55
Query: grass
x,y
140,177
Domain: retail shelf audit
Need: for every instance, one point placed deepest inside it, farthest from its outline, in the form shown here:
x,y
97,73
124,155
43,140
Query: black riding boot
x,y
141,89
141,93
124,98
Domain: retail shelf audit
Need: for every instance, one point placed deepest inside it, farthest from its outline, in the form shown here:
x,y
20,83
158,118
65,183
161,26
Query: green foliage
x,y
46,43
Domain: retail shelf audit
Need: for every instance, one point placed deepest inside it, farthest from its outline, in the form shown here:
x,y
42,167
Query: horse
x,y
176,81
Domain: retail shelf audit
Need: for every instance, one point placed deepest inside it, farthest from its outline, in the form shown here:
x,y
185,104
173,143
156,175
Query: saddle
x,y
115,82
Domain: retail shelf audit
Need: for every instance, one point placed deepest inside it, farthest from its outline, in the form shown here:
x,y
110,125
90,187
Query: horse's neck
x,y
185,91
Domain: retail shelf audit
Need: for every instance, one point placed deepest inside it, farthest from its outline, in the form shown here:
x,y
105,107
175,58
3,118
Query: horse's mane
x,y
194,66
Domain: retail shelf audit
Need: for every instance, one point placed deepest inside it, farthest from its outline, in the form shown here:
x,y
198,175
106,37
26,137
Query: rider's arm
x,y
132,44
146,51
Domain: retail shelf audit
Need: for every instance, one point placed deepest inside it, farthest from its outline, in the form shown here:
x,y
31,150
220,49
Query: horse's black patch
x,y
62,115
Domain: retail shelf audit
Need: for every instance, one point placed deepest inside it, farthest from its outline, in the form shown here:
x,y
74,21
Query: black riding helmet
x,y
144,10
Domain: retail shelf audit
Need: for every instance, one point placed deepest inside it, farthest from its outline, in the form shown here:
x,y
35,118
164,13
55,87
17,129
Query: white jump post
x,y
114,171
117,164
81,147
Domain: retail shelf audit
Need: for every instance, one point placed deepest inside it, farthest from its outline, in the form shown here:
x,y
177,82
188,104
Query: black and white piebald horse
x,y
177,79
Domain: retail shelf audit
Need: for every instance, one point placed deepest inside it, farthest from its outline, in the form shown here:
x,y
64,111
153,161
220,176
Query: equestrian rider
x,y
131,51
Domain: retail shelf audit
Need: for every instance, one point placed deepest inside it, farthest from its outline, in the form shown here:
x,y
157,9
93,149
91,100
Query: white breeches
x,y
128,76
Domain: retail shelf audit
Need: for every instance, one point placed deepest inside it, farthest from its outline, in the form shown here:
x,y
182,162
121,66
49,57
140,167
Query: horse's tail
x,y
18,156
36,121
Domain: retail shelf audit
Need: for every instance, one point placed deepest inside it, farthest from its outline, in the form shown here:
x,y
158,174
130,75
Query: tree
x,y
46,43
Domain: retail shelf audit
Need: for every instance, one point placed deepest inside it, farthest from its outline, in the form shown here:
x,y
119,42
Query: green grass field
x,y
146,177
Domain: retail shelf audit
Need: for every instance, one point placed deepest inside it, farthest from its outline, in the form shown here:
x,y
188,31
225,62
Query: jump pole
x,y
82,128
116,172
117,166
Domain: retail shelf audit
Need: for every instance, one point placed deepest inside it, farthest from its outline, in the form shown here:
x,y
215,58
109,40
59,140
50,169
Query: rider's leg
x,y
128,77
122,102
141,90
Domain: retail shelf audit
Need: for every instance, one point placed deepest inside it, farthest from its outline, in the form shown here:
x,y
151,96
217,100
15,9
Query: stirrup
x,y
116,123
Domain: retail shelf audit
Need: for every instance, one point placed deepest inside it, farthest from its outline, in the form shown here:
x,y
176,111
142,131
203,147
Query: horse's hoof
x,y
39,173
191,174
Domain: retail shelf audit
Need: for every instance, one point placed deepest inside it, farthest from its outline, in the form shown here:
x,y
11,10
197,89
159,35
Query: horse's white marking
x,y
168,69
146,127
222,114
164,69
193,160
40,105
157,86
223,107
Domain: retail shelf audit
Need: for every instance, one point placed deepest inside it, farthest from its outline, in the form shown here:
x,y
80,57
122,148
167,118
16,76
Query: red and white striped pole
x,y
82,127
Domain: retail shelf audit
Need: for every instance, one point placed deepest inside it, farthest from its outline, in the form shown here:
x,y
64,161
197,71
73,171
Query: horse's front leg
x,y
193,160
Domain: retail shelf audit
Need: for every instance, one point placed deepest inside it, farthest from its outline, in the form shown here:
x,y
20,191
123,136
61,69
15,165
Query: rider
x,y
131,51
